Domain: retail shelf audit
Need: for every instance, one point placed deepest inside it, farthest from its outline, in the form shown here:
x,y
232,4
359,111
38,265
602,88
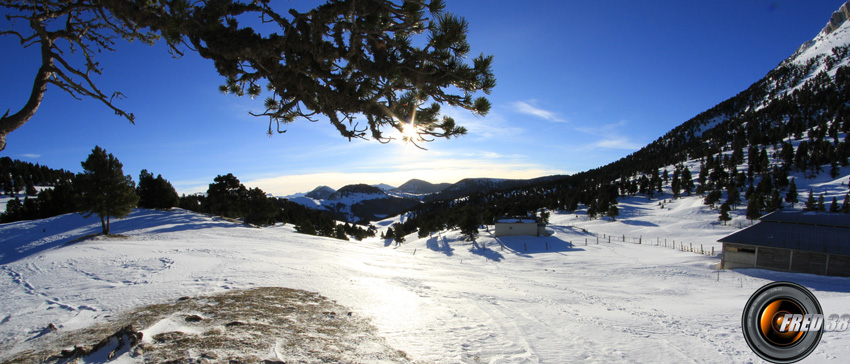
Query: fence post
x,y
640,239
524,247
609,239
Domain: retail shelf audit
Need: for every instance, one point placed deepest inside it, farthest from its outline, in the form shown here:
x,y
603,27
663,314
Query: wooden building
x,y
792,241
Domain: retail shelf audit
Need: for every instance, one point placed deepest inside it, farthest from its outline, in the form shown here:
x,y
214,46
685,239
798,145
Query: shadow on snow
x,y
22,239
638,223
440,244
526,246
814,281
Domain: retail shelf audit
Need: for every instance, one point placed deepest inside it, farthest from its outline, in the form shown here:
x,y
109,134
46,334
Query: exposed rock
x,y
125,337
838,18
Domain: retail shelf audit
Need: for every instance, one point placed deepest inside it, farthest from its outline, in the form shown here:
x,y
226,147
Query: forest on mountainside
x,y
744,151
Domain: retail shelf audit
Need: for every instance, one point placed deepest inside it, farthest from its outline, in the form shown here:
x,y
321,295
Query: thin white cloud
x,y
30,155
527,108
618,143
492,126
611,137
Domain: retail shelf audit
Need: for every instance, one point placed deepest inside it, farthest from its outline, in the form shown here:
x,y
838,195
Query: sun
x,y
409,131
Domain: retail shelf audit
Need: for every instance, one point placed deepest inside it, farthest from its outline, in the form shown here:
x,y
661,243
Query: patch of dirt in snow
x,y
261,325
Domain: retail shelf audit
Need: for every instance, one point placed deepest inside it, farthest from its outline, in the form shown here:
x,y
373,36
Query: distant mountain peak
x,y
420,187
321,193
384,187
360,189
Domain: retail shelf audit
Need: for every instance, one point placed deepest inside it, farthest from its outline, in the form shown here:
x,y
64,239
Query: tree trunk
x,y
104,226
9,123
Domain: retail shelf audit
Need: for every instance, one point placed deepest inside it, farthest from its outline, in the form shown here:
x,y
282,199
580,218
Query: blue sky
x,y
580,84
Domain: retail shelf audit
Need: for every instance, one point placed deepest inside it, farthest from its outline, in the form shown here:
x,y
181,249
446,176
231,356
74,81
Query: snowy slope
x,y
822,44
438,299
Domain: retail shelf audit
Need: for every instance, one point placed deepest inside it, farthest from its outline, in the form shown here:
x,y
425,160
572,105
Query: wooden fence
x,y
596,238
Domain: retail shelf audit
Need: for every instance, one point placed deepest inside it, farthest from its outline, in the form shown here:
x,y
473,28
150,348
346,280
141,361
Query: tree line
x,y
102,189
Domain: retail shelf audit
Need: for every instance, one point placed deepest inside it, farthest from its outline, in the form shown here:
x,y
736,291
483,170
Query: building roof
x,y
810,231
515,220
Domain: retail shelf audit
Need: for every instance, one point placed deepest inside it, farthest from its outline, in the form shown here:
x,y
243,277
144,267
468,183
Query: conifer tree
x,y
613,212
821,205
398,234
775,201
104,189
379,61
687,181
591,210
423,231
339,233
791,196
260,210
226,196
701,178
754,207
30,189
712,198
733,196
724,213
544,216
833,207
750,191
14,210
156,193
469,225
306,227
676,185
811,203
845,207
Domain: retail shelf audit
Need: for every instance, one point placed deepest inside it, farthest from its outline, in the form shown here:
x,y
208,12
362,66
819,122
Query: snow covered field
x,y
438,299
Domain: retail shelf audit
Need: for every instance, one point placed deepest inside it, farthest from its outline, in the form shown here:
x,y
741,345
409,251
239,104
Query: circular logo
x,y
780,322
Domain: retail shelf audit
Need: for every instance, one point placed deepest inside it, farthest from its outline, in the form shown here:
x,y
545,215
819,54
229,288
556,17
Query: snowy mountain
x,y
788,129
356,203
321,193
361,202
384,187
